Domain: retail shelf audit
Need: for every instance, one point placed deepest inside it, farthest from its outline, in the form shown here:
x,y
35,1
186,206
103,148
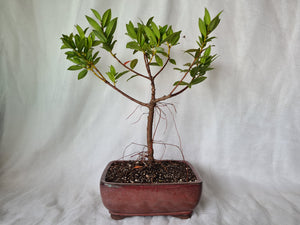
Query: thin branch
x,y
147,67
187,72
101,77
123,64
169,48
162,68
172,94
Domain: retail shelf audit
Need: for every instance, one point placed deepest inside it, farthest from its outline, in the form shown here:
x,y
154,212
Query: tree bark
x,y
151,107
150,132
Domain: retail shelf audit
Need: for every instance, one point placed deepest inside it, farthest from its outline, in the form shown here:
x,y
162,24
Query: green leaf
x,y
133,45
154,64
179,69
93,23
70,53
111,27
163,29
107,47
149,21
173,61
160,49
111,77
67,43
64,46
106,17
75,67
100,35
180,83
112,70
150,35
140,35
192,50
95,55
207,51
130,30
202,27
169,31
206,17
197,80
82,74
155,30
89,42
81,45
97,15
173,38
131,77
89,55
209,39
96,60
194,71
80,31
118,75
96,43
77,39
214,23
158,60
133,63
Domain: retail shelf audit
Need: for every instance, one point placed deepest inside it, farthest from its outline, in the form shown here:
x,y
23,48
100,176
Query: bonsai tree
x,y
150,42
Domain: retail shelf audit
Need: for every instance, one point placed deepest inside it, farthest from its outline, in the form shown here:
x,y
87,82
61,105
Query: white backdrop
x,y
240,128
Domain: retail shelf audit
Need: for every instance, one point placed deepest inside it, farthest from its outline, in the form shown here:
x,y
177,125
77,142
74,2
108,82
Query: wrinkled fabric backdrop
x,y
240,128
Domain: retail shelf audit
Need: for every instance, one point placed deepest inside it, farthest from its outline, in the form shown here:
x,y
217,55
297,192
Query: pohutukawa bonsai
x,y
151,42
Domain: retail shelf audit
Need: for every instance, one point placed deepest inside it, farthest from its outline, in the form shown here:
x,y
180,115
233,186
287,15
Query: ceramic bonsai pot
x,y
150,199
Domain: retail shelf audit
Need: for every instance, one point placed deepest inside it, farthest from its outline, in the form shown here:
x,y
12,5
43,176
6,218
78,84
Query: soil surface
x,y
165,171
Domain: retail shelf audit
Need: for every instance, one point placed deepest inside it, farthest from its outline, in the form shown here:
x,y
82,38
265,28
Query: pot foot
x,y
117,217
184,216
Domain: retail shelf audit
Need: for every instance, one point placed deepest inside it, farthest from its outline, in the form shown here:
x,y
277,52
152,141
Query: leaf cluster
x,y
104,28
202,57
150,39
153,40
81,47
113,75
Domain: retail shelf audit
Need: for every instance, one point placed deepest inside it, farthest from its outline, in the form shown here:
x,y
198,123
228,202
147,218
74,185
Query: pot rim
x,y
103,182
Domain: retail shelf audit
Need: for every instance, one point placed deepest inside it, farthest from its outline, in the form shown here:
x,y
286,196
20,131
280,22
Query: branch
x,y
169,48
162,68
147,67
139,74
195,60
100,76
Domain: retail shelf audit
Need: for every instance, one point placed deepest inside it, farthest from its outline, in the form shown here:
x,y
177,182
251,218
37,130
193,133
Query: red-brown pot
x,y
139,199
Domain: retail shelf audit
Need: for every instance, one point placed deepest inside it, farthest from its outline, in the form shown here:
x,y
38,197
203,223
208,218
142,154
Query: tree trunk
x,y
151,107
150,132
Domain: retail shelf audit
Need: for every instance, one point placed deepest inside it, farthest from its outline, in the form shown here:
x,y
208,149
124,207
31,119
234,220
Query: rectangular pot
x,y
140,199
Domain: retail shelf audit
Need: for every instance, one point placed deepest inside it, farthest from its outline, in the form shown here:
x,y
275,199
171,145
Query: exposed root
x,y
172,145
141,156
161,115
